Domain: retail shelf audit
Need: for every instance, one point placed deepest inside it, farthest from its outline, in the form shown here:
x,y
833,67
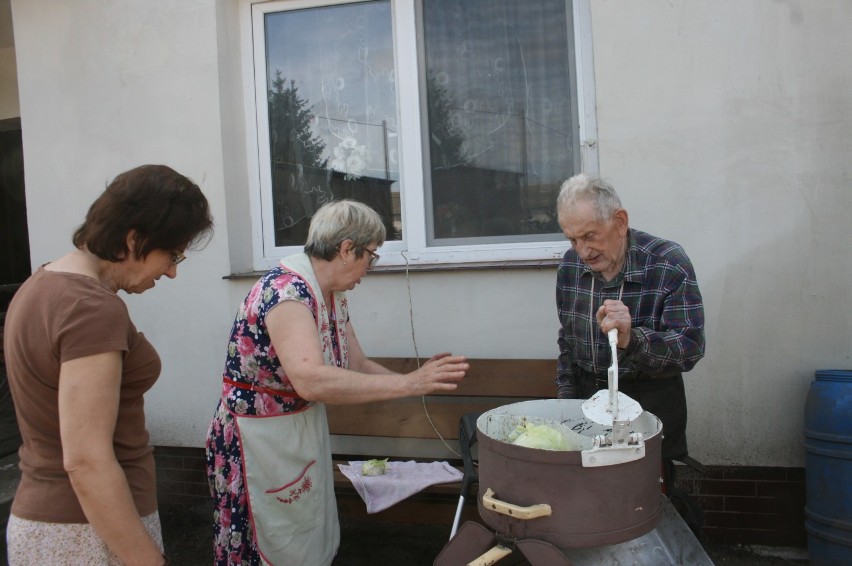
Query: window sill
x,y
437,267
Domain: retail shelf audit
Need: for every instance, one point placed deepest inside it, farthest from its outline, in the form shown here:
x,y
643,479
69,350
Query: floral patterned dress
x,y
254,384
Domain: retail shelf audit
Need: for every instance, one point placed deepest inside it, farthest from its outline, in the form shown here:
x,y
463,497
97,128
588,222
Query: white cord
x,y
410,309
417,353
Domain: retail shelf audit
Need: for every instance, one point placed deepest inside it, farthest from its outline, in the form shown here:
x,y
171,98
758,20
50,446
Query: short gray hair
x,y
585,188
341,220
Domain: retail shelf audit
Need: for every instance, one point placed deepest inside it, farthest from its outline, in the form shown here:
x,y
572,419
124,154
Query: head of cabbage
x,y
374,467
540,436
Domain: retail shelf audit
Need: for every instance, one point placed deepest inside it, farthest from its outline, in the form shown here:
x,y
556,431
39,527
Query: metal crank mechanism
x,y
609,407
616,448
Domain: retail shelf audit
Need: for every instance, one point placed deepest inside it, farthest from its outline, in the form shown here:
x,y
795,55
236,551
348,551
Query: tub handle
x,y
532,512
491,556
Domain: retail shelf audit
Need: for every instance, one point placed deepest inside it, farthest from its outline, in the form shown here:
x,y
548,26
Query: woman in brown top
x,y
78,369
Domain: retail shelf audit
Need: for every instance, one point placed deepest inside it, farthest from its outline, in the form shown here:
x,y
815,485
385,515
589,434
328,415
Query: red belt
x,y
260,389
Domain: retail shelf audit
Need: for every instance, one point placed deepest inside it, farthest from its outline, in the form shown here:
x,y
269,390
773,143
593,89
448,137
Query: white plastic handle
x,y
613,374
613,337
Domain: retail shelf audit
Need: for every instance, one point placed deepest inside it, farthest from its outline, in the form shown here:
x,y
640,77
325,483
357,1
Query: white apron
x,y
287,463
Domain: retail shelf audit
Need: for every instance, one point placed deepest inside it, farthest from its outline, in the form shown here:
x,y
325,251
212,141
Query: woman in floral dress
x,y
291,350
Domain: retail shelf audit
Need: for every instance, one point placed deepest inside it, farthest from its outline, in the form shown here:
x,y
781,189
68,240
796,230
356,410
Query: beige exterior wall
x,y
726,126
8,72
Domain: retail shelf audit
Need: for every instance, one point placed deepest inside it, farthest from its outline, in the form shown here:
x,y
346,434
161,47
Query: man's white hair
x,y
585,188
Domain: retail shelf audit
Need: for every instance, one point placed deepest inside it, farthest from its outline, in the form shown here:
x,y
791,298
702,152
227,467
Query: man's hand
x,y
615,314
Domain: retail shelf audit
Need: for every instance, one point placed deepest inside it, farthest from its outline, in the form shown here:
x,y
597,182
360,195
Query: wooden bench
x,y
401,430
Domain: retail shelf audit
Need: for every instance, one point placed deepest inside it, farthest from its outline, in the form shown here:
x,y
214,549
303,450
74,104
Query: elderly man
x,y
615,276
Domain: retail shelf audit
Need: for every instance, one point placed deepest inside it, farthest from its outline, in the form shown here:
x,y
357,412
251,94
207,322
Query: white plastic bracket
x,y
616,448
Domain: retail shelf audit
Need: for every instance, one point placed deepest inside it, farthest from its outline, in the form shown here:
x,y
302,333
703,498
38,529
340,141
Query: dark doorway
x,y
14,258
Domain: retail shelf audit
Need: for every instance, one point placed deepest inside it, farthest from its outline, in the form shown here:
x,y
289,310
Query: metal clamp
x,y
616,448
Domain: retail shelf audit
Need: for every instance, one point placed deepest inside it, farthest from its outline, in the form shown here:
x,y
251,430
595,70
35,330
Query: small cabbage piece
x,y
541,436
374,467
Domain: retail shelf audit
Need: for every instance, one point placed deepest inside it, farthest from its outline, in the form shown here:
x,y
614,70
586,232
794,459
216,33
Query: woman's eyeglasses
x,y
177,257
374,258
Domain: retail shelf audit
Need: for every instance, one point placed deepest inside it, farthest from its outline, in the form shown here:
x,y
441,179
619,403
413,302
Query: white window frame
x,y
413,249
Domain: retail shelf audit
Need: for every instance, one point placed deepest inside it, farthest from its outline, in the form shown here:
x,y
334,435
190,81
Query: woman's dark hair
x,y
166,210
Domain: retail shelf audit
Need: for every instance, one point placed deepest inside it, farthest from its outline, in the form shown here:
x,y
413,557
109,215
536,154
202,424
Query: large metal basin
x,y
590,506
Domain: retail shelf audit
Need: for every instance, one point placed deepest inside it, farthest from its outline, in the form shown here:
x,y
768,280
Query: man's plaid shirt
x,y
659,288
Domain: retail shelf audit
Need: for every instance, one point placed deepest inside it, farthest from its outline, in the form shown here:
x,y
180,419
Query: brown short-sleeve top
x,y
55,317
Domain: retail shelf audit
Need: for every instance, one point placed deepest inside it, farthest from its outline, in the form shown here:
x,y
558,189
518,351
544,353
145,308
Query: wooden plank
x,y
510,378
422,508
406,418
495,377
490,383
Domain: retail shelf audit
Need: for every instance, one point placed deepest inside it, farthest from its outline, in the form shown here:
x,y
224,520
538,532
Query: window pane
x,y
502,123
332,114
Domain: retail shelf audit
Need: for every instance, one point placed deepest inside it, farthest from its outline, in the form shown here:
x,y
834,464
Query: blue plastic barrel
x,y
828,467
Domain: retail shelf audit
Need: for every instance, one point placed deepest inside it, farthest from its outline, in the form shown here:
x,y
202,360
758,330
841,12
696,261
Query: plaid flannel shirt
x,y
659,287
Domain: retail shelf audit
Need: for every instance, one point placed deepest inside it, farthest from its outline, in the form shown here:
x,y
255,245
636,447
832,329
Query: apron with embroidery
x,y
287,462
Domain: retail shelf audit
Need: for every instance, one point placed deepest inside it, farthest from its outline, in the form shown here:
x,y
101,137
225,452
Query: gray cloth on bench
x,y
400,480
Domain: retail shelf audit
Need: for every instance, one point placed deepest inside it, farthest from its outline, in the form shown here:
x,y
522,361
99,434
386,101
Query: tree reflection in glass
x,y
332,114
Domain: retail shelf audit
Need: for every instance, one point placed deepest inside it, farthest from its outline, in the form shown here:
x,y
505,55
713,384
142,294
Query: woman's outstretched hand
x,y
442,372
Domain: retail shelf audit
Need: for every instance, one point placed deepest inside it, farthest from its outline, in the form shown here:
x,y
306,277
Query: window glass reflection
x,y
332,114
502,128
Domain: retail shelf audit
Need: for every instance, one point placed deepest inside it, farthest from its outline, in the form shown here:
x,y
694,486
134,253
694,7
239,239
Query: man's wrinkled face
x,y
601,245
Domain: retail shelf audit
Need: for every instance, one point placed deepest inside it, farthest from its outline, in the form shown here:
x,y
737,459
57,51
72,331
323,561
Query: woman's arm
x,y
293,332
88,408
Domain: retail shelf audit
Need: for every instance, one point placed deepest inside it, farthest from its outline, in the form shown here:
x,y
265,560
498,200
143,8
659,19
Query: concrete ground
x,y
187,534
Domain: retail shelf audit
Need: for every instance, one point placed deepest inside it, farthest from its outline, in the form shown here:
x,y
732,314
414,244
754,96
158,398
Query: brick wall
x,y
749,504
741,504
181,475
